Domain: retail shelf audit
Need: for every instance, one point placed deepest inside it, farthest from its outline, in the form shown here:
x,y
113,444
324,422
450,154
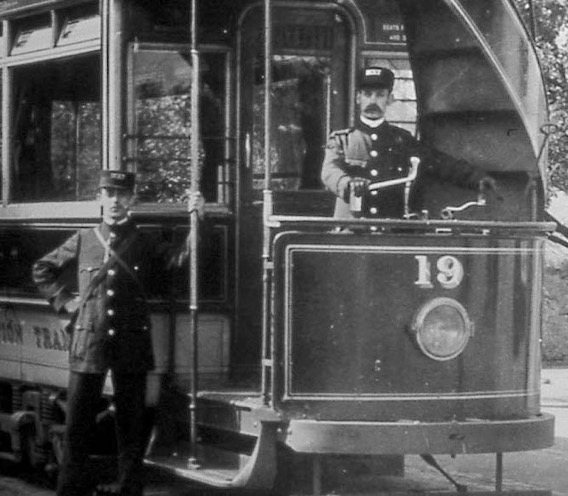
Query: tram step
x,y
258,472
183,467
208,472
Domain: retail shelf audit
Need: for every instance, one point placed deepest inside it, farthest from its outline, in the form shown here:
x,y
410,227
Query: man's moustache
x,y
372,107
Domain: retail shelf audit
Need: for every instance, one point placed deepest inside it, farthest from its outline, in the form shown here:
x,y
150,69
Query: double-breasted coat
x,y
111,329
383,153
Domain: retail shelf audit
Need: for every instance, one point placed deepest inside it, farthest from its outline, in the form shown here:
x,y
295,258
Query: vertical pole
x,y
267,345
193,235
316,476
499,472
112,87
105,29
267,89
7,127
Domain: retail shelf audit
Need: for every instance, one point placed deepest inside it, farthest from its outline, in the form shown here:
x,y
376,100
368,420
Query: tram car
x,y
297,352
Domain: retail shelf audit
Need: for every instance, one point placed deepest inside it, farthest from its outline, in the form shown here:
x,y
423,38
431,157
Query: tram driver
x,y
375,150
116,265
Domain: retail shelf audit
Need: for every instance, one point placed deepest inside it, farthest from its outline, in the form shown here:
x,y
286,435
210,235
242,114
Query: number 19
x,y
449,272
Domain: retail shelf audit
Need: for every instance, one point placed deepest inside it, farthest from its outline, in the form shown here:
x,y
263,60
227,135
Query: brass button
x,y
374,210
111,332
374,153
110,312
374,172
112,272
110,292
374,137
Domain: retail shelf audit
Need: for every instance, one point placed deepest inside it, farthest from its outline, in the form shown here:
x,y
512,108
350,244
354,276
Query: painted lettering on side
x,y
51,339
11,331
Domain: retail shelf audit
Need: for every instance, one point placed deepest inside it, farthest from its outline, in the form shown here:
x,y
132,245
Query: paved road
x,y
545,469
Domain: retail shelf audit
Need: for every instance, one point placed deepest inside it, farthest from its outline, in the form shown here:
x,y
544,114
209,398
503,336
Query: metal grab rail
x,y
278,221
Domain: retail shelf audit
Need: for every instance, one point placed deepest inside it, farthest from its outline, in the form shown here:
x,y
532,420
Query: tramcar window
x,y
309,85
57,131
402,111
159,148
19,249
300,91
383,37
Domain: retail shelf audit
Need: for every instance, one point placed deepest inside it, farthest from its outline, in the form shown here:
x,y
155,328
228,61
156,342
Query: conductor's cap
x,y
117,179
376,77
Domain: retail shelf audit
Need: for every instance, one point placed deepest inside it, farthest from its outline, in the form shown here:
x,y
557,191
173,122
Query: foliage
x,y
162,153
75,150
551,37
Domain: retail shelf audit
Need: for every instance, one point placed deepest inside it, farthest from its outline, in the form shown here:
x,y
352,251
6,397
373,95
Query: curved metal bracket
x,y
258,473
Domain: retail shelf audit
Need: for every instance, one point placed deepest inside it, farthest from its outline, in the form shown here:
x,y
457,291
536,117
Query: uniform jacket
x,y
384,153
112,326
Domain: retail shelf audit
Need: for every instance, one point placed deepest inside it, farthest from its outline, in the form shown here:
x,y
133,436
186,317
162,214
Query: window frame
x,y
227,185
8,63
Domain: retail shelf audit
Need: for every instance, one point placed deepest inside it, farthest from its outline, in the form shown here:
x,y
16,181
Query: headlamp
x,y
442,328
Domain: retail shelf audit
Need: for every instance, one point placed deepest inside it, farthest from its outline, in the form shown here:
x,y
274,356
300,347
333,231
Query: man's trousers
x,y
132,432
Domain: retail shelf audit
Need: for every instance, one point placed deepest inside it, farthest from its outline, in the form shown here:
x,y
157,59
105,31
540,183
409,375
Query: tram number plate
x,y
448,272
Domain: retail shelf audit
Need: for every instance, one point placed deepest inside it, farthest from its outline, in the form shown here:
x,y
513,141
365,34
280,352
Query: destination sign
x,y
303,37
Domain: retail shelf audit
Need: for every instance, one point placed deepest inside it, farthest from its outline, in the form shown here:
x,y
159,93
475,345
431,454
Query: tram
x,y
298,353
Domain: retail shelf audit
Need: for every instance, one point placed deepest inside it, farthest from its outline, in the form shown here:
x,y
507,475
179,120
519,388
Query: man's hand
x,y
358,186
72,306
196,203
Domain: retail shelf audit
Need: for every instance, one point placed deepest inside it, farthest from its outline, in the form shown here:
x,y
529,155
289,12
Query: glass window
x,y
402,111
57,131
300,90
160,121
308,92
20,248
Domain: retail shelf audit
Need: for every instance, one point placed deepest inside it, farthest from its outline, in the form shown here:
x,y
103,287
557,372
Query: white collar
x,y
374,123
117,223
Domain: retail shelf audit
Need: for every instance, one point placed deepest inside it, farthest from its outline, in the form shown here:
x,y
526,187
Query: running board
x,y
259,472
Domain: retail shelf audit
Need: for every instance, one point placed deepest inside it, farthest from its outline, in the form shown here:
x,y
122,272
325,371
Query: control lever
x,y
356,202
448,212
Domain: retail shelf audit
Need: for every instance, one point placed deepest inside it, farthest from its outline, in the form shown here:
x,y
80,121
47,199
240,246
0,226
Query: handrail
x,y
193,237
276,221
